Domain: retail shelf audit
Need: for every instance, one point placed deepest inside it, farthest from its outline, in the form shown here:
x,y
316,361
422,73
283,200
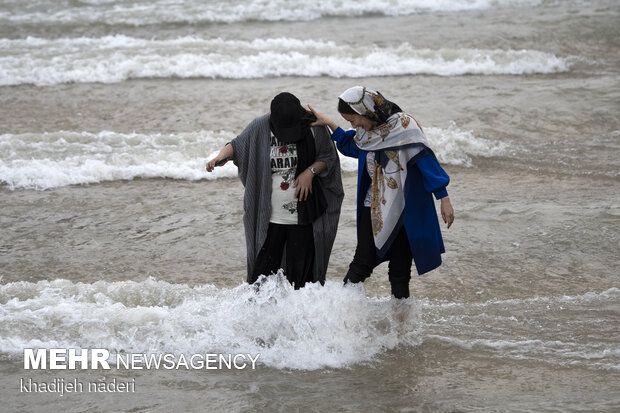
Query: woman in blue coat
x,y
398,174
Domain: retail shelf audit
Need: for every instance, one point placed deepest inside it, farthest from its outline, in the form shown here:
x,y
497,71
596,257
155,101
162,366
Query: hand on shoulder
x,y
322,119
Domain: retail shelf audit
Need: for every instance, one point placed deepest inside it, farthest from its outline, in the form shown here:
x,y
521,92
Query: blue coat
x,y
424,177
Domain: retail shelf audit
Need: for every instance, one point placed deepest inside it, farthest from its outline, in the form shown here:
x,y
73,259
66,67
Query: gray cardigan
x,y
251,155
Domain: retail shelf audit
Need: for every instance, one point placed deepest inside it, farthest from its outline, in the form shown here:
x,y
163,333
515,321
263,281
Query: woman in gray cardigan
x,y
293,192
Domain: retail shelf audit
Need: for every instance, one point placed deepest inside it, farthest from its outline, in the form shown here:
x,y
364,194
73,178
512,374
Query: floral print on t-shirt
x,y
283,158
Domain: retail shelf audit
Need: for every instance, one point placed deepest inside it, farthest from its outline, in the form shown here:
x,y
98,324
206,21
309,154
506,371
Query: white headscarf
x,y
396,140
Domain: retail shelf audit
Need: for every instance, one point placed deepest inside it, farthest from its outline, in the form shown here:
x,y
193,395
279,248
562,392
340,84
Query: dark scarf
x,y
383,110
315,204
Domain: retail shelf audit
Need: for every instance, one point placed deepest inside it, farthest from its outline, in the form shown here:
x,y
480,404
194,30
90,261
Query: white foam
x,y
316,327
144,12
50,160
312,328
454,146
117,58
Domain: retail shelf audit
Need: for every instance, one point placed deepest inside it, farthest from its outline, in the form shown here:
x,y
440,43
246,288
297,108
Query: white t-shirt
x,y
283,160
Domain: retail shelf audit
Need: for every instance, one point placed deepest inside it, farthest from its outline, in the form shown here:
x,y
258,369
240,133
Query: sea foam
x,y
317,327
49,160
144,12
113,59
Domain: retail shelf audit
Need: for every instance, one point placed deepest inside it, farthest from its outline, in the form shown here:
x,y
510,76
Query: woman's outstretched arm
x,y
224,156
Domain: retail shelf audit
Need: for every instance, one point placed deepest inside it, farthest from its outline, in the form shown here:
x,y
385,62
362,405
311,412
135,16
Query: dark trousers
x,y
365,258
298,241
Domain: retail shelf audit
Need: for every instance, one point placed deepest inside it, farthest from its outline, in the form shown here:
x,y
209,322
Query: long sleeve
x,y
242,147
344,142
434,177
324,150
251,155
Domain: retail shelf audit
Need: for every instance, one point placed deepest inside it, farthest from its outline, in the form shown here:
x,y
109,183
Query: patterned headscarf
x,y
397,141
369,103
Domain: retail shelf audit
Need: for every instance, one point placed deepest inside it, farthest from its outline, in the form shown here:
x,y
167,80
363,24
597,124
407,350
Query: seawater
x,y
113,236
69,158
319,327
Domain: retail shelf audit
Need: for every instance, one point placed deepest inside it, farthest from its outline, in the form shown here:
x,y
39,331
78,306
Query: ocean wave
x,y
308,329
138,13
113,59
454,146
49,160
315,327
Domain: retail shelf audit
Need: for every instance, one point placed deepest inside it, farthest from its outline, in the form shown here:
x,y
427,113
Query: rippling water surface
x,y
112,235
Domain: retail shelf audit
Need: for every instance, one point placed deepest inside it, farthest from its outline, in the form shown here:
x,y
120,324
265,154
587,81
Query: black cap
x,y
286,116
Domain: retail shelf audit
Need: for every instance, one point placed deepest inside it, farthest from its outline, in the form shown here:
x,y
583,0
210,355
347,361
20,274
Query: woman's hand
x,y
447,212
303,185
224,156
322,120
217,161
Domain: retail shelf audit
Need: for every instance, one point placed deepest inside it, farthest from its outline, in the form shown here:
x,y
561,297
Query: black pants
x,y
399,267
299,243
